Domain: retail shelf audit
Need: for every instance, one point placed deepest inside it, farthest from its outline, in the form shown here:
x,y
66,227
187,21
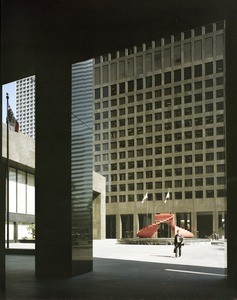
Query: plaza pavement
x,y
130,272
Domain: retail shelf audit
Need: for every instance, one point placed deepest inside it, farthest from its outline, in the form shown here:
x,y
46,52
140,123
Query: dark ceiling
x,y
34,31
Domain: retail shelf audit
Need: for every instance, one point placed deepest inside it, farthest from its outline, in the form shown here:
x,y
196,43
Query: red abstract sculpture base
x,y
150,230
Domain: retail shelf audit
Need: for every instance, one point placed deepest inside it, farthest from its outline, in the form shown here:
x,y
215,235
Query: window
x,y
158,80
198,145
105,73
157,60
167,58
210,181
139,175
199,194
199,182
198,121
221,180
148,62
168,160
198,157
209,131
188,134
178,183
188,182
168,149
219,106
178,160
177,101
209,119
177,75
187,73
208,68
198,97
198,85
199,170
209,107
188,158
219,93
188,195
140,164
198,50
139,84
188,111
113,90
209,144
177,55
220,130
220,143
187,52
177,124
198,70
187,87
130,67
177,89
167,78
97,93
209,156
130,86
177,112
168,172
208,83
220,168
178,171
209,193
178,148
178,195
208,47
219,44
188,123
219,66
149,82
139,65
178,136
198,133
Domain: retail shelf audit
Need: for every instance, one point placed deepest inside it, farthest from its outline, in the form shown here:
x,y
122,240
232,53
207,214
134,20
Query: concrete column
x,y
194,223
56,211
2,220
135,224
15,238
118,226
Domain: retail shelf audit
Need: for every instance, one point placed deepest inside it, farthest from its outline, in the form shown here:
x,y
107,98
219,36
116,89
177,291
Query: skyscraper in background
x,y
25,105
159,126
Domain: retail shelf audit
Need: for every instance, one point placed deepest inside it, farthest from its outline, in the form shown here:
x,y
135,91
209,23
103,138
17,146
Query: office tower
x,y
159,127
25,105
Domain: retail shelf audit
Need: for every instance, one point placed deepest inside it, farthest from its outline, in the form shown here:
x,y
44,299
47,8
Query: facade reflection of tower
x,y
159,125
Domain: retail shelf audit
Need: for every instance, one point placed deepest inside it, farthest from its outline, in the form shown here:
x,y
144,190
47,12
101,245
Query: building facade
x,y
25,105
21,184
159,127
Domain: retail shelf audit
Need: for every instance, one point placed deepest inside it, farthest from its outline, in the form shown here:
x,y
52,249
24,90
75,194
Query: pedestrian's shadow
x,y
170,256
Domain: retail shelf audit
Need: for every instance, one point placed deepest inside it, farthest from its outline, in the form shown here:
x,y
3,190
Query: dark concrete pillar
x,y
2,223
53,205
231,144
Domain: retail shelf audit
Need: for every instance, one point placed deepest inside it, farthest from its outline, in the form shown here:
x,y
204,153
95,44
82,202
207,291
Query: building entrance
x,y
204,225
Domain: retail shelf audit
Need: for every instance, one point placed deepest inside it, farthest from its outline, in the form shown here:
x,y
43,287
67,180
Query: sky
x,y
9,88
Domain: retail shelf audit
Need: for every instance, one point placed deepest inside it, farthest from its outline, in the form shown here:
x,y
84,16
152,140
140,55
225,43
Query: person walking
x,y
178,242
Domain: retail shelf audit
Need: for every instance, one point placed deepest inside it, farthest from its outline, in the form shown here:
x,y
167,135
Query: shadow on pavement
x,y
119,279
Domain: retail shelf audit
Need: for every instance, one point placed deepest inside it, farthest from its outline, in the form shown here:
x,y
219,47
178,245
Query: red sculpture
x,y
150,230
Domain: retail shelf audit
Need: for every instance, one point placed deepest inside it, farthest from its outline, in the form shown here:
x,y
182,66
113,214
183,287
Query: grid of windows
x,y
25,105
159,117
